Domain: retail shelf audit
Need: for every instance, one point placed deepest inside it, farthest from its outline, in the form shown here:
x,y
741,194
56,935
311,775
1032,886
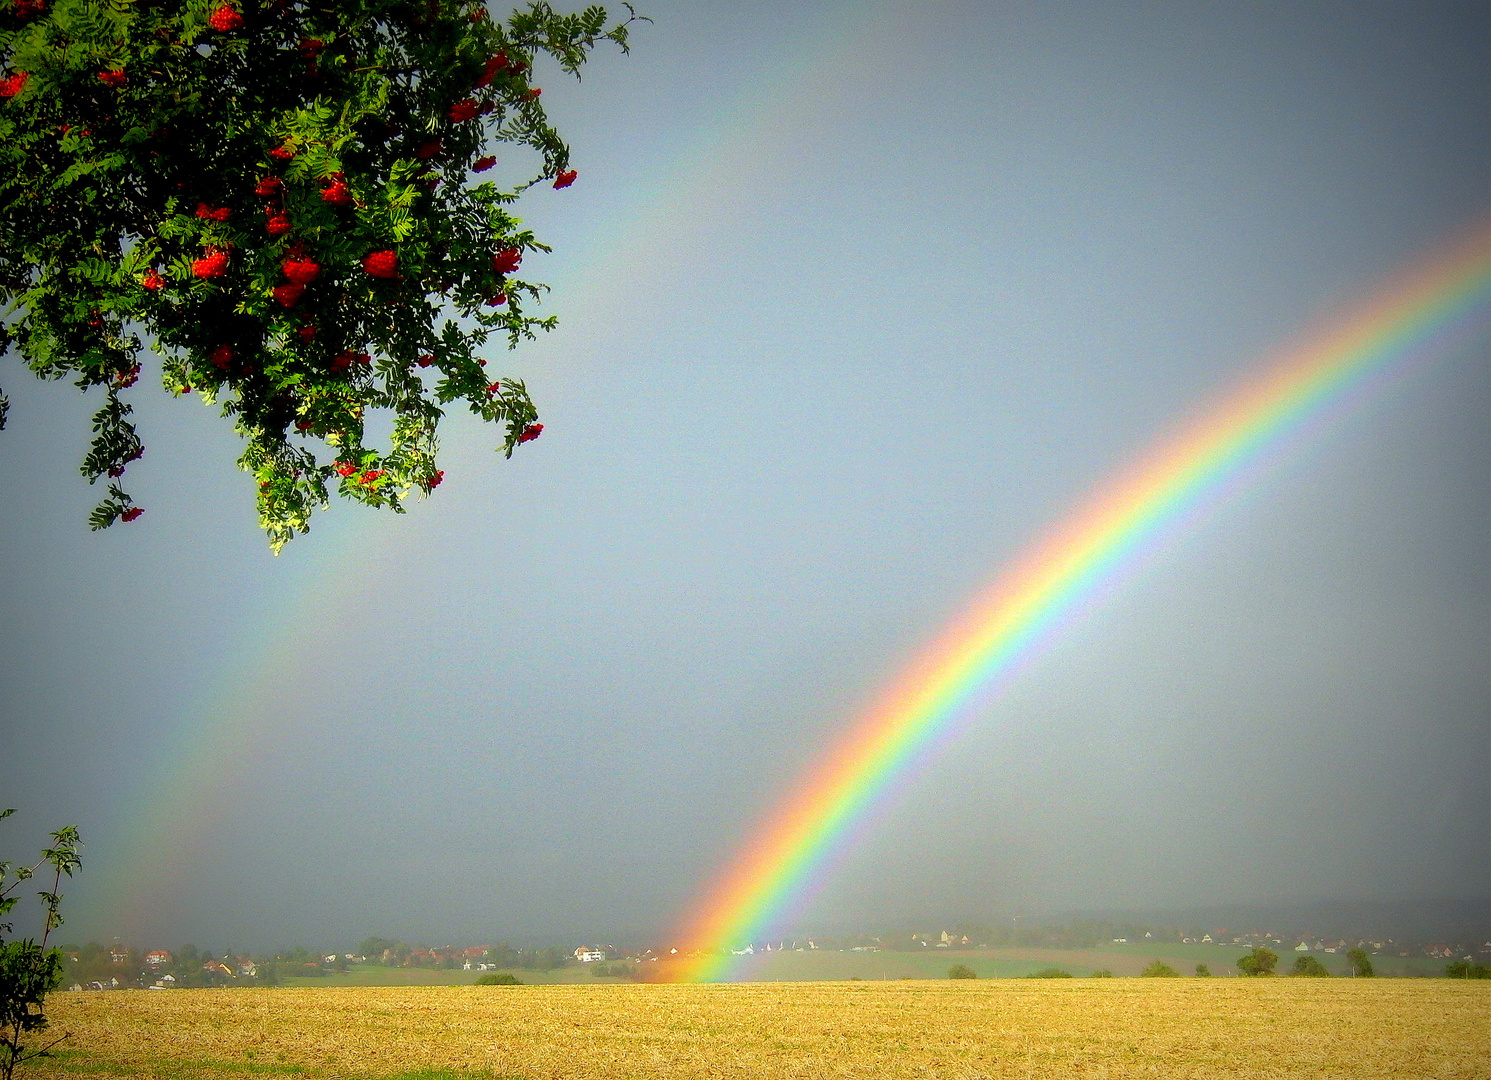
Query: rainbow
x,y
1428,307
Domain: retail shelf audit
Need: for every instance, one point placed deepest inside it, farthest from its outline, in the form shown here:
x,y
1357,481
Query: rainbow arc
x,y
1430,306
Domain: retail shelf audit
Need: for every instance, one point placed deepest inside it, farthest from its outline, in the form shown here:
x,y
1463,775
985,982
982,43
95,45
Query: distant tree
x,y
961,971
1159,970
1361,964
1049,973
498,978
1309,967
1202,971
1259,962
1465,969
29,971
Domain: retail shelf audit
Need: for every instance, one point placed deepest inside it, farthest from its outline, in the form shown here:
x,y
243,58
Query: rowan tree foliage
x,y
284,199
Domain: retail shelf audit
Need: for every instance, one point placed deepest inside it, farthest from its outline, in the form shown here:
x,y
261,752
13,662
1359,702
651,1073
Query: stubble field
x,y
1098,1028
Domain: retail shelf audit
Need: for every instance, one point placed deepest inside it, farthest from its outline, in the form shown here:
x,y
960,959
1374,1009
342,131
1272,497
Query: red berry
x,y
279,224
301,271
428,150
337,195
533,93
497,301
434,481
483,164
153,280
345,468
565,179
221,356
12,86
287,295
225,19
310,48
531,432
269,186
113,79
425,361
132,513
494,387
381,264
306,334
506,261
282,153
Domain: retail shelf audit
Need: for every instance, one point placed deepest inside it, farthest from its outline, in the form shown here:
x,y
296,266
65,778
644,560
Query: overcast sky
x,y
856,300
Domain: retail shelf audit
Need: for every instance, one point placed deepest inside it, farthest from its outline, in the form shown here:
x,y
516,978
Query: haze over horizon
x,y
856,301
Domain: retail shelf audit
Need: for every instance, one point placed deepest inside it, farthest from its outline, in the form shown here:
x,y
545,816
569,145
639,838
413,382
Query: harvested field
x,y
1098,1028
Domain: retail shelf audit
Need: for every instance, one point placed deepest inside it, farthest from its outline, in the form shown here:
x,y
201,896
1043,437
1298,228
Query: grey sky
x,y
855,301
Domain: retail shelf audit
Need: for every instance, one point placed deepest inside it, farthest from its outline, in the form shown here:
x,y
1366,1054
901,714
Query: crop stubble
x,y
1105,1029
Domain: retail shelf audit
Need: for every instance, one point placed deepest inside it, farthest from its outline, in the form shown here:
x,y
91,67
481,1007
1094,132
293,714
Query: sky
x,y
856,300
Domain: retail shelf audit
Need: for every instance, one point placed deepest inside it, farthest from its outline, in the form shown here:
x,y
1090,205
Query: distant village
x,y
98,967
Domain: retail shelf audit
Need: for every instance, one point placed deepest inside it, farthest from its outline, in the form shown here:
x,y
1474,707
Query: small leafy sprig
x,y
28,969
287,199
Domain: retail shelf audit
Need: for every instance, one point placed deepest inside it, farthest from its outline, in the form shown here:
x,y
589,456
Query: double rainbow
x,y
1432,305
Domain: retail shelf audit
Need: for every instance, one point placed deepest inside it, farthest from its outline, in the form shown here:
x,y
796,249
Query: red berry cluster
x,y
300,269
531,432
338,193
152,280
225,19
211,213
381,264
507,261
14,84
498,65
482,164
132,513
346,358
115,80
212,265
26,8
566,178
463,110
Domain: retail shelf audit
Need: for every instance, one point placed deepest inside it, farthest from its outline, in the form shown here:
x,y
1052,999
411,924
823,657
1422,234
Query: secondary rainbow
x,y
1431,305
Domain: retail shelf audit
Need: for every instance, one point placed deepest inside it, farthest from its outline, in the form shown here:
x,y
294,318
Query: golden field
x,y
1098,1028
